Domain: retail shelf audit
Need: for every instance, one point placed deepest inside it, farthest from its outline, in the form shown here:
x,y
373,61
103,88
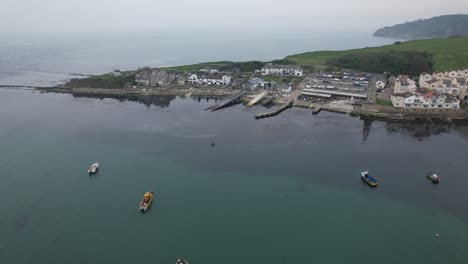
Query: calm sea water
x,y
43,60
278,190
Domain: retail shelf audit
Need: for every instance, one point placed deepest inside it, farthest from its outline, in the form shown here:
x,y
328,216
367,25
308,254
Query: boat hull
x,y
143,208
93,169
433,178
369,180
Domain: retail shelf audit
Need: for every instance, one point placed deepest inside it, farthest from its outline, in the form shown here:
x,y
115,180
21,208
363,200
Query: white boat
x,y
433,177
94,168
181,261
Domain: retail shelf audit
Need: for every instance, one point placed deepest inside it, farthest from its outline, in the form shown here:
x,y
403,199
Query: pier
x,y
257,99
228,101
275,112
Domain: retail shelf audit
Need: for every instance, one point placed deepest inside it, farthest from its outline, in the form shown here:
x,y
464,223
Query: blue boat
x,y
365,176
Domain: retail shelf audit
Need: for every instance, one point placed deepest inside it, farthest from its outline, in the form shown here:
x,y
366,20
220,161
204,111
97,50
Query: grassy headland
x,y
446,54
108,81
247,66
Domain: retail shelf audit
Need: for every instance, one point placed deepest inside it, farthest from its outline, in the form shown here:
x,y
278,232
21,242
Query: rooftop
x,y
331,92
405,94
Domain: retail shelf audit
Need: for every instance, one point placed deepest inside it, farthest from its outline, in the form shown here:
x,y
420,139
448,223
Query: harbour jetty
x,y
275,112
228,101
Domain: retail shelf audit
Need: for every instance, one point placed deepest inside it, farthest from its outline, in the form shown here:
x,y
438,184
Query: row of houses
x,y
454,83
424,98
209,78
436,91
281,70
160,78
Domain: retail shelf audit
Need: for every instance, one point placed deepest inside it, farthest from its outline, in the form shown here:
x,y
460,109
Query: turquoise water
x,y
279,190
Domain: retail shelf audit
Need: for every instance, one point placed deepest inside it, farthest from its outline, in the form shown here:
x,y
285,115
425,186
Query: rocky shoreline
x,y
133,93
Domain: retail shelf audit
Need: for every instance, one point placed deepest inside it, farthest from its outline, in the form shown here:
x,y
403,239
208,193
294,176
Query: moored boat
x,y
365,176
146,202
181,261
433,177
93,168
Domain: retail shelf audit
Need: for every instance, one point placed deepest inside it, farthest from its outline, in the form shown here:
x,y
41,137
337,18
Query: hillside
x,y
411,57
436,27
445,54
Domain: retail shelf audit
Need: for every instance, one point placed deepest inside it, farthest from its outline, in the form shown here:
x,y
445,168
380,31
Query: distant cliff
x,y
436,27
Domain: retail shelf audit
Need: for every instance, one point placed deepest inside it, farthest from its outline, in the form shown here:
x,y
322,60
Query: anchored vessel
x,y
365,176
433,177
93,168
146,202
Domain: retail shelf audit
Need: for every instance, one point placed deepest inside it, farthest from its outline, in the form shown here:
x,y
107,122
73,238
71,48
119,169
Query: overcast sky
x,y
129,15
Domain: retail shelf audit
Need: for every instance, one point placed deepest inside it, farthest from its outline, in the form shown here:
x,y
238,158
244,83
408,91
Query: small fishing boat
x,y
369,179
94,168
433,177
181,261
146,202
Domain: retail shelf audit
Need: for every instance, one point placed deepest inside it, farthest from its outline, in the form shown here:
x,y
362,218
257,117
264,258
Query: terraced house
x,y
425,98
453,83
282,70
204,78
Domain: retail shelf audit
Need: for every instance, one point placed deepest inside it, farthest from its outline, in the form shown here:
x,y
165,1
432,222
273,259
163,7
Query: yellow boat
x,y
146,202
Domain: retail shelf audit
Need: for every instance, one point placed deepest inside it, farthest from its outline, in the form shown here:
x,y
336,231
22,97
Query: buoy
x,y
437,235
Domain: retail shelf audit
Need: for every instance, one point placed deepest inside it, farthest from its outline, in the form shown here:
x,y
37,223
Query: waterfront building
x,y
453,82
425,98
282,70
203,78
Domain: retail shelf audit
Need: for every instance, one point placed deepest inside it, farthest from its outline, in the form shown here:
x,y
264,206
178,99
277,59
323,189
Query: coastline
x,y
133,93
366,111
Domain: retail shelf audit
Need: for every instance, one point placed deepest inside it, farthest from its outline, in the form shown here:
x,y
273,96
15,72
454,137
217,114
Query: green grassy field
x,y
384,102
448,54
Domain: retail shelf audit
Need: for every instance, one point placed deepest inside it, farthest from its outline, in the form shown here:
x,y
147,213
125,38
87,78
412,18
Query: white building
x,y
285,88
283,70
209,79
380,85
253,83
453,83
425,99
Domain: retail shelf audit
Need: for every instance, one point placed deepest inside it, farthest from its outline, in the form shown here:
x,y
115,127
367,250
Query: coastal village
x,y
438,95
441,93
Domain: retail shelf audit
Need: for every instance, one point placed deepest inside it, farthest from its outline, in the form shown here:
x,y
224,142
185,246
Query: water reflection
x,y
367,126
419,131
161,101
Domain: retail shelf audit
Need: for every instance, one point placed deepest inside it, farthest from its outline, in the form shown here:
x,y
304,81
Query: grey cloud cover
x,y
116,15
